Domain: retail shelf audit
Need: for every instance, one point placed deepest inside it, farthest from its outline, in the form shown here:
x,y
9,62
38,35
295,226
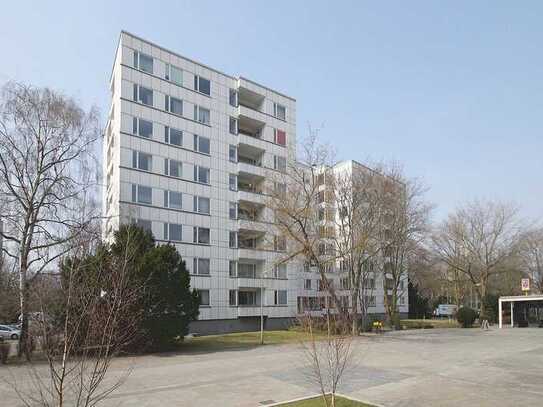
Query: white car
x,y
8,332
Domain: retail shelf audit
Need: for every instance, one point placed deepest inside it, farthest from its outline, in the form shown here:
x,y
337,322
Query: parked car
x,y
8,332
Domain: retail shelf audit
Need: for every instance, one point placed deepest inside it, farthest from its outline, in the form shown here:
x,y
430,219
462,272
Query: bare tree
x,y
403,227
355,217
297,199
328,357
94,320
531,256
46,146
479,240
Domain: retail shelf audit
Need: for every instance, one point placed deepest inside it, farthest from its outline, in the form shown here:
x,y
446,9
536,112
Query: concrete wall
x,y
249,324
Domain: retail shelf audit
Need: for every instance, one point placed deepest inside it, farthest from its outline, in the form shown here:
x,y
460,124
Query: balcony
x,y
250,239
251,211
250,99
250,182
252,217
250,126
248,301
253,141
257,198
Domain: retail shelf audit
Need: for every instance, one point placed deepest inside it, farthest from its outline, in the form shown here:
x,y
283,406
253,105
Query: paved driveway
x,y
454,367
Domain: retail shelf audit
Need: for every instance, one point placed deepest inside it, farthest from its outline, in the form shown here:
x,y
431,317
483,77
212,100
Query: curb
x,y
320,395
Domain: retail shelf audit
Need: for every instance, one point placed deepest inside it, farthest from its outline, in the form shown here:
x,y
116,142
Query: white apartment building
x,y
189,153
312,297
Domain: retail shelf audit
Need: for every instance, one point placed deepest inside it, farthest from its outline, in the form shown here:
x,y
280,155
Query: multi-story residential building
x,y
189,152
312,296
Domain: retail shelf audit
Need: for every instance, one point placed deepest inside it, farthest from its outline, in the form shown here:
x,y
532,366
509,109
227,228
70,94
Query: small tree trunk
x,y
24,339
482,294
354,315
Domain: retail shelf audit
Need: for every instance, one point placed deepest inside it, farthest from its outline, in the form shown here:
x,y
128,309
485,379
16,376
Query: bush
x,y
466,317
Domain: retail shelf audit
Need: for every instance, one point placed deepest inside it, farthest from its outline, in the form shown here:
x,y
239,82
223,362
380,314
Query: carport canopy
x,y
512,300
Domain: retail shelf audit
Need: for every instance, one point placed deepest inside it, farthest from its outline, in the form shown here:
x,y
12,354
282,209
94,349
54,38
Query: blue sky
x,y
454,90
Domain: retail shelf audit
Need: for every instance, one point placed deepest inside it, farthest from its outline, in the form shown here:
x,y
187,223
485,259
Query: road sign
x,y
525,284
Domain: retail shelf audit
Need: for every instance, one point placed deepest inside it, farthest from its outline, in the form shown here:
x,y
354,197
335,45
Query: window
x,y
174,74
307,285
143,95
280,243
370,283
233,126
279,163
232,268
246,270
280,297
345,283
173,105
280,271
233,240
201,174
173,136
144,224
402,300
200,266
279,111
233,210
173,232
233,182
201,205
369,300
204,297
233,97
143,62
201,144
233,298
279,137
141,194
202,85
247,298
173,168
141,161
233,153
201,114
173,200
142,128
201,235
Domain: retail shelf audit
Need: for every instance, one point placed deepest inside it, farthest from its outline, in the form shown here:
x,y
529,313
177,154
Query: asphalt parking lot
x,y
439,367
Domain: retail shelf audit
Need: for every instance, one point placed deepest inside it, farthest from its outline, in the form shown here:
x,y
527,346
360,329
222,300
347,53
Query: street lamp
x,y
262,310
263,273
262,277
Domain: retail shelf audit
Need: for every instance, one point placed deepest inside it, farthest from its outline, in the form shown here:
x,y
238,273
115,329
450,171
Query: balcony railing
x,y
253,107
250,161
255,134
247,188
247,244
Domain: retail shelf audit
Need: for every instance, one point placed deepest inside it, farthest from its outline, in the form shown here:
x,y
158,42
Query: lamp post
x,y
262,308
